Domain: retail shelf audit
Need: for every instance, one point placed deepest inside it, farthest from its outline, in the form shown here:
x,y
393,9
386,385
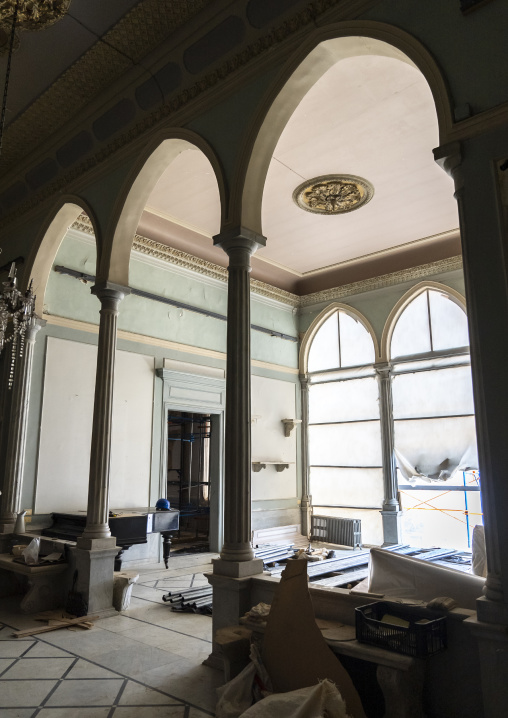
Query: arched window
x,y
345,462
434,426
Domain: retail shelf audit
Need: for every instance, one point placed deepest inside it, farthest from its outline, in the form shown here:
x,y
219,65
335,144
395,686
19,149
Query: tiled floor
x,y
144,663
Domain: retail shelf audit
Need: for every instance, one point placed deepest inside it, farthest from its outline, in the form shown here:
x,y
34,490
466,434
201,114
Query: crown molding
x,y
177,257
385,280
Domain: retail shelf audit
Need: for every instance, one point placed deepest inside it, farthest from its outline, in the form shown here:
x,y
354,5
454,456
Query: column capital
x,y
236,238
110,291
449,158
33,327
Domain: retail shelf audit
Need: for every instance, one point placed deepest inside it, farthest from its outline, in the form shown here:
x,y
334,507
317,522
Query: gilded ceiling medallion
x,y
333,194
32,14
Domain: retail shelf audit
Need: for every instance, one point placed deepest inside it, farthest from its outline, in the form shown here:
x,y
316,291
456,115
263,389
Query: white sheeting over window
x,y
433,410
344,428
341,341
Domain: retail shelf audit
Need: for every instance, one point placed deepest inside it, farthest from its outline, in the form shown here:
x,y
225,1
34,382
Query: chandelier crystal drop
x,y
17,311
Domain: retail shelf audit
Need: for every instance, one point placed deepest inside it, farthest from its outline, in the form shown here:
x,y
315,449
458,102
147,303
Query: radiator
x,y
333,529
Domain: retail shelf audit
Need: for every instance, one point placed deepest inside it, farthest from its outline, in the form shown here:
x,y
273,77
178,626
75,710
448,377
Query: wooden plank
x,y
64,622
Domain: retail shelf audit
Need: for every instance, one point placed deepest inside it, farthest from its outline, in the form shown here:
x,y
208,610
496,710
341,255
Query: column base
x,y
231,600
237,569
488,611
95,568
391,527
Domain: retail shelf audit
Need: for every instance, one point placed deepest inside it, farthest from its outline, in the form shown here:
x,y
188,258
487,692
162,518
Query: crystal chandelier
x,y
17,310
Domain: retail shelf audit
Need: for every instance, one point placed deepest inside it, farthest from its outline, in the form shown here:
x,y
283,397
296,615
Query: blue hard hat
x,y
162,504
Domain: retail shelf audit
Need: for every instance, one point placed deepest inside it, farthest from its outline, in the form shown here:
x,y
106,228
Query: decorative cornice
x,y
44,116
385,280
179,258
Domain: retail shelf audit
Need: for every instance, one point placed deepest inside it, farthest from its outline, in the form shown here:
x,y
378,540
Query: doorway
x,y
188,474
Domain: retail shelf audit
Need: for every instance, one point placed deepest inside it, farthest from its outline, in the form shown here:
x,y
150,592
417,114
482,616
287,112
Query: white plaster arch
x,y
322,48
146,172
318,323
51,235
405,301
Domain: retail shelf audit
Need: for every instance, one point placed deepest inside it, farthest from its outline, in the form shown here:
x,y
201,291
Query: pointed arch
x,y
144,175
405,301
322,49
318,323
49,239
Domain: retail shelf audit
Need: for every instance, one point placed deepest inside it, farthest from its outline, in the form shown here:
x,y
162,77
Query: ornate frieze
x,y
178,258
385,280
333,194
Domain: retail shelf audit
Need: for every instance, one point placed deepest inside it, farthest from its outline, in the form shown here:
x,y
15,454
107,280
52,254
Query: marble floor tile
x,y
146,633
35,668
85,693
116,624
151,594
13,648
24,694
6,634
18,712
74,713
85,669
135,694
89,644
46,650
187,682
138,660
5,663
149,712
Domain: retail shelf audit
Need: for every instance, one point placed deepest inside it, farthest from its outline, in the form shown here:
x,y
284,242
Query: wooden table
x,y
44,592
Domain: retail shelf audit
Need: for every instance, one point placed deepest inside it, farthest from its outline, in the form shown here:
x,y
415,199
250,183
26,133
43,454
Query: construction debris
x,y
191,600
57,620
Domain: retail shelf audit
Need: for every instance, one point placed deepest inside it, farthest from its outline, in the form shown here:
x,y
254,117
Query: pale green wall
x,y
67,297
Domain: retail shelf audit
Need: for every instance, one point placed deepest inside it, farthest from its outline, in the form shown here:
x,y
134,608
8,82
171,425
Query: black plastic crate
x,y
417,640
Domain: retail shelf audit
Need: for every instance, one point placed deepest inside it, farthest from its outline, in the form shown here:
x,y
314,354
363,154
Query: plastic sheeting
x,y
391,574
438,470
321,701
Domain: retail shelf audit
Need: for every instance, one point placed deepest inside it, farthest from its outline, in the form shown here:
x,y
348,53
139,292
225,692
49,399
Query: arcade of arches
x,y
279,244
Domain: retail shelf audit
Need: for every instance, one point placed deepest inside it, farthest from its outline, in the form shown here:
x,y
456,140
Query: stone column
x,y
483,233
96,548
391,508
237,558
16,442
306,498
97,526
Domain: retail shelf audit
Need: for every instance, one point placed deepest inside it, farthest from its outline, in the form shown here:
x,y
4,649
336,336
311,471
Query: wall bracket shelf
x,y
279,465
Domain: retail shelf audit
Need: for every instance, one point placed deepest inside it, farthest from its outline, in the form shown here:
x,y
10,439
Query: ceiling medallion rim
x,y
363,186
